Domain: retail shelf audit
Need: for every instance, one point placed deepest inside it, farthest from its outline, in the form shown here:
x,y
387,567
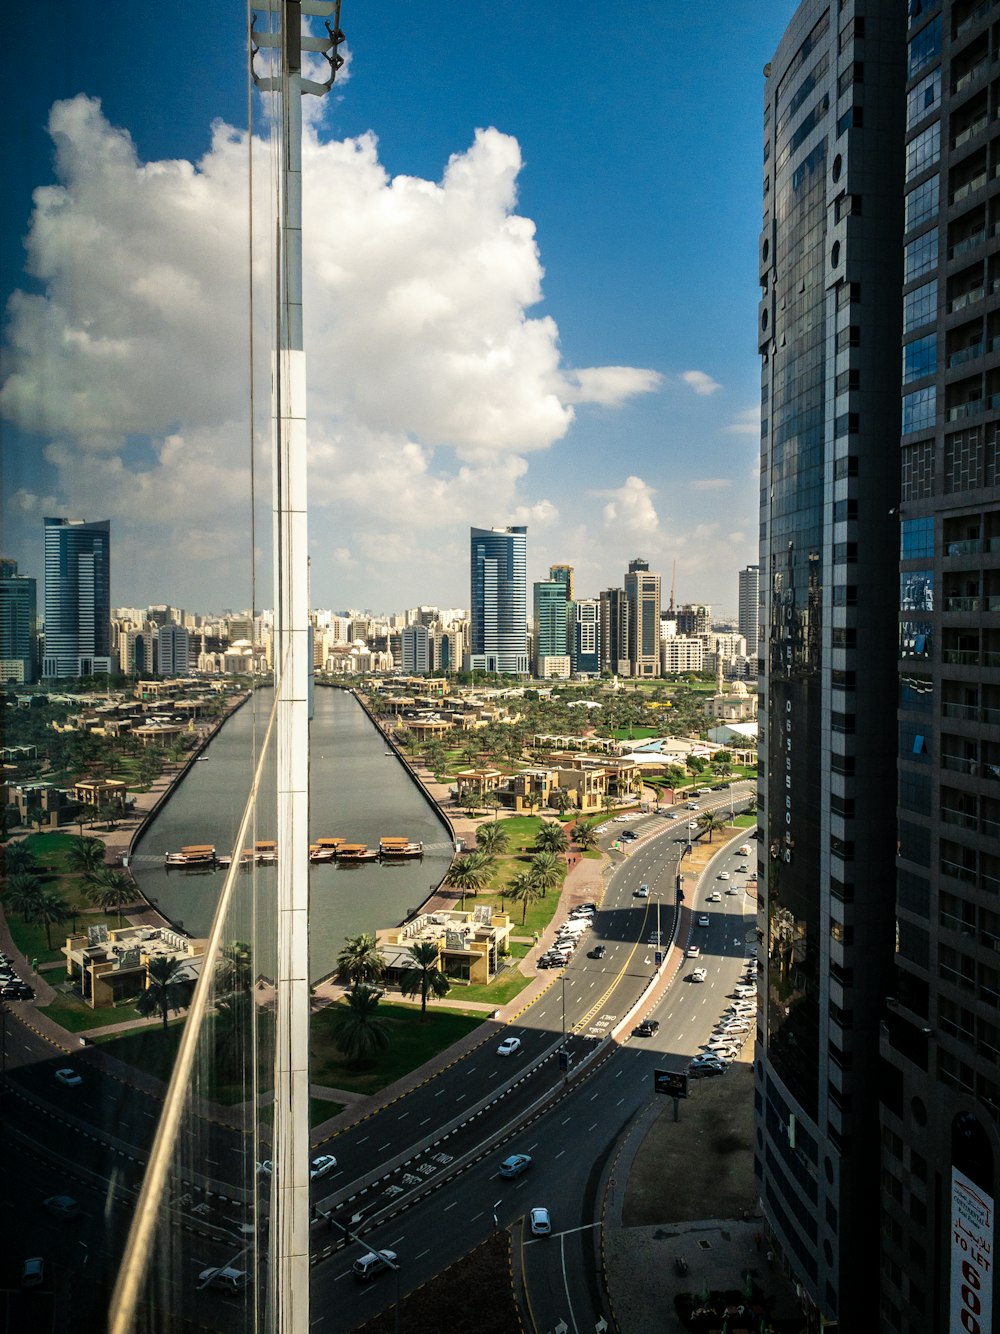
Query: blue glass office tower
x,y
498,631
77,598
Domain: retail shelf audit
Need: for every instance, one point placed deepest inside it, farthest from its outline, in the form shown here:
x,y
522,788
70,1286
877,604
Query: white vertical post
x,y
290,1200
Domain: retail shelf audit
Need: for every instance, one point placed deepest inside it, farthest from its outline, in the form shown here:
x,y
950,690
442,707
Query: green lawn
x,y
73,1015
320,1111
522,830
49,851
634,733
497,992
411,1044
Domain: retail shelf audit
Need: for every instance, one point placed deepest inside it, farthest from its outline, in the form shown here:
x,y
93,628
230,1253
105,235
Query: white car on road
x,y
509,1046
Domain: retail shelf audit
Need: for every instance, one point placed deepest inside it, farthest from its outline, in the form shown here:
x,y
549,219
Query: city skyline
x,y
653,447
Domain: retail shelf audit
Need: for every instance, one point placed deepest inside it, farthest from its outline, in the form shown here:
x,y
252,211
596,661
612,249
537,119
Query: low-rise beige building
x,y
470,945
109,966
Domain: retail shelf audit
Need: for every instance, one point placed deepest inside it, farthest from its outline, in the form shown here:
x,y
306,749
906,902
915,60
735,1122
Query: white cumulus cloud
x,y
431,383
630,507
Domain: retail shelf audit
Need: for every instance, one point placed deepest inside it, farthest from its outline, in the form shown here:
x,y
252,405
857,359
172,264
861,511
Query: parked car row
x,y
11,986
569,935
732,1028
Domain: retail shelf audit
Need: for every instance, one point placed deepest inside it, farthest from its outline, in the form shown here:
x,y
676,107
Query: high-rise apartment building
x,y
498,629
642,592
585,636
829,327
415,646
77,598
941,1037
18,612
747,616
614,617
551,628
173,645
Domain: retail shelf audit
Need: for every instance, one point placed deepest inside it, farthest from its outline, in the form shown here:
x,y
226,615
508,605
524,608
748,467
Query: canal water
x,y
357,792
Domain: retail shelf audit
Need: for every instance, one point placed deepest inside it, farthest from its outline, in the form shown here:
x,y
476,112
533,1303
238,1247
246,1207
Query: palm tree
x,y
163,987
525,890
585,836
233,1030
492,839
361,960
545,869
234,971
22,893
110,890
423,977
85,856
356,1026
710,822
17,859
560,800
551,838
470,873
492,803
48,909
532,800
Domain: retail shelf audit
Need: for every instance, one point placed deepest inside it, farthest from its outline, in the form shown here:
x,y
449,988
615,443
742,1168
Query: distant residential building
x,y
18,613
498,630
415,647
585,636
748,614
137,652
449,650
173,650
77,598
614,618
729,650
642,592
683,653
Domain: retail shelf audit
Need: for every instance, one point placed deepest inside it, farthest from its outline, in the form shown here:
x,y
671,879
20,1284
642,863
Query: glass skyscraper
x,y
18,611
829,336
498,629
77,598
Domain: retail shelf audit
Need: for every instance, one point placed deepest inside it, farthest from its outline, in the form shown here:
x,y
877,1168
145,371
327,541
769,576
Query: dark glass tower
x,y
17,623
77,598
829,331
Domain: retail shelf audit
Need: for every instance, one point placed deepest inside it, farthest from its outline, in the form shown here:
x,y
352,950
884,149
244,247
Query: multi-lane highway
x,y
421,1176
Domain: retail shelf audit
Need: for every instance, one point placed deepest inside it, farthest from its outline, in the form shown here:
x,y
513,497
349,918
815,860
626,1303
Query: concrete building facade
x,y
642,593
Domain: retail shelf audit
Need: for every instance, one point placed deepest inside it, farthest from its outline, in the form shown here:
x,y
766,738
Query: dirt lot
x,y
702,1165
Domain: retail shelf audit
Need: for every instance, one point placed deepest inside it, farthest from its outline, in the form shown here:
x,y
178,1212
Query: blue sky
x,y
618,181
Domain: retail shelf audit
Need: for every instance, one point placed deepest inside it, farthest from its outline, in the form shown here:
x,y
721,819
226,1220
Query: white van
x,y
575,927
703,791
